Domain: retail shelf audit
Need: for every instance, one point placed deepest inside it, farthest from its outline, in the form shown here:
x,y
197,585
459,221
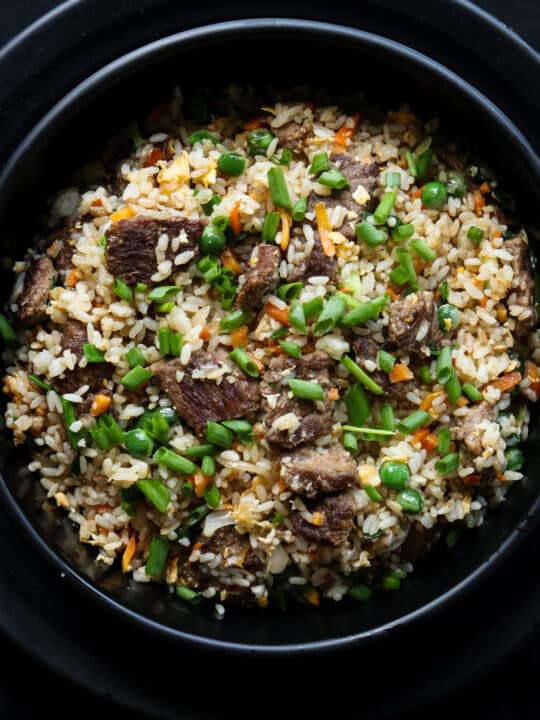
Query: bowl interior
x,y
346,64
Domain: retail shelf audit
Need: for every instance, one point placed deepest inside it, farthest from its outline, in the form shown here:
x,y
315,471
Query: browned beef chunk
x,y
131,245
357,173
96,375
338,513
60,248
314,418
261,277
311,473
413,323
316,264
200,400
292,135
523,283
468,433
237,559
35,293
417,543
366,348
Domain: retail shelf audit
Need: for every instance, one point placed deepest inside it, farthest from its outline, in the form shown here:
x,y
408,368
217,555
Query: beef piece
x,y
418,542
311,473
292,135
261,277
467,430
338,512
35,293
413,323
131,245
60,247
314,418
200,400
366,348
523,283
357,173
237,558
96,375
315,265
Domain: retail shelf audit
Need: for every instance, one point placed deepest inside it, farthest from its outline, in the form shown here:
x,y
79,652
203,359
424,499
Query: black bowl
x,y
284,52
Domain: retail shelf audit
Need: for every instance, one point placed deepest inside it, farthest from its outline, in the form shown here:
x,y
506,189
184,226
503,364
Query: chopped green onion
x,y
290,348
212,496
7,332
305,389
385,361
360,592
156,492
208,466
472,393
368,430
412,422
114,431
514,459
69,418
383,209
259,141
444,437
278,188
357,405
121,290
197,451
221,222
393,180
155,425
447,464
231,164
373,494
411,163
387,418
410,500
100,436
319,163
289,291
187,594
455,184
350,442
423,161
299,209
134,357
276,518
444,290
270,226
390,582
128,498
333,179
422,249
286,157
444,365
136,377
174,462
425,375
402,232
405,265
329,316
233,321
218,435
368,233
365,311
138,443
208,208
362,377
453,388
245,362
311,308
240,426
165,307
163,337
103,241
279,333
475,234
186,489
449,317
297,316
200,135
162,293
394,475
40,383
176,341
157,556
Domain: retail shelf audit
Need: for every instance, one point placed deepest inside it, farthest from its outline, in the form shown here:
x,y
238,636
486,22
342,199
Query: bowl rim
x,y
127,64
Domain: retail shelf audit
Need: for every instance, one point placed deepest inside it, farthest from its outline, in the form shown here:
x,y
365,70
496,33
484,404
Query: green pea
x,y
456,184
514,459
138,443
410,500
434,195
394,475
259,140
212,240
231,164
449,317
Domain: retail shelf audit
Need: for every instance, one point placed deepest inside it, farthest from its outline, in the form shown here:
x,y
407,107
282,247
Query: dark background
x,y
28,690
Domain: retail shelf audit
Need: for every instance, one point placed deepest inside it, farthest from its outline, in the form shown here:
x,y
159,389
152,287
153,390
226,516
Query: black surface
x,y
515,621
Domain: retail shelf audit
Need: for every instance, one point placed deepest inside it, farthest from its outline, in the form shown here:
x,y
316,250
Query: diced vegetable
x,y
231,164
362,377
394,475
278,188
136,377
245,362
156,492
157,556
218,435
305,389
412,422
174,462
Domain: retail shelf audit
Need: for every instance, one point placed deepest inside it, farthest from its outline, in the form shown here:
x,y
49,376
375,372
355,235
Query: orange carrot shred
x,y
427,402
254,123
100,404
344,134
479,202
205,333
285,230
430,442
239,336
313,597
277,313
483,301
472,479
484,188
393,294
417,193
72,278
200,483
124,214
507,382
230,261
420,435
154,156
324,228
234,219
333,394
400,373
129,552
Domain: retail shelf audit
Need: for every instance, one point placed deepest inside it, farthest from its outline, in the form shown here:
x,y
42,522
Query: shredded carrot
x,y
333,394
285,230
508,381
497,234
256,360
452,447
533,375
200,483
324,228
154,156
430,442
417,193
393,294
317,518
346,289
234,219
462,401
400,373
124,214
129,552
427,402
500,477
205,333
420,435
239,336
197,546
230,261
254,123
100,405
313,597
479,202
472,480
277,313
72,278
97,202
484,188
344,134
282,485
483,301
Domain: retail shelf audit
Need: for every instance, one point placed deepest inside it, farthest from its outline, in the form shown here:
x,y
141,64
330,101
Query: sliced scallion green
x,y
306,389
362,377
245,362
156,492
278,188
